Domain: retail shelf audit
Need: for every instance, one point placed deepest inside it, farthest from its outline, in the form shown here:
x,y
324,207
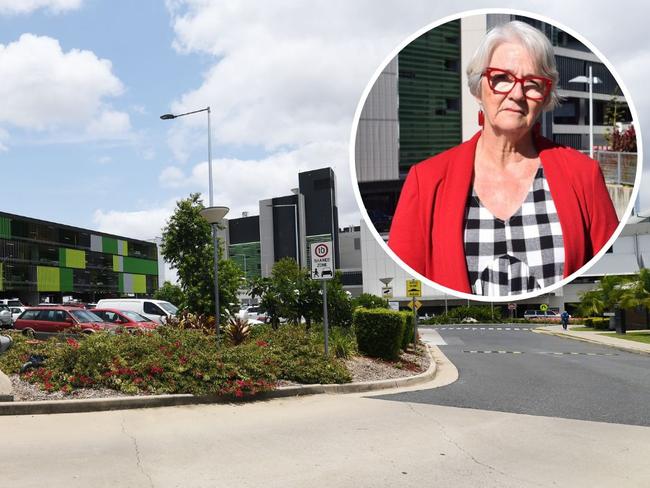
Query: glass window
x,y
84,316
152,308
169,307
29,315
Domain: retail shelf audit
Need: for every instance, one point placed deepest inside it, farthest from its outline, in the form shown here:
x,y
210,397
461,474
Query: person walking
x,y
565,319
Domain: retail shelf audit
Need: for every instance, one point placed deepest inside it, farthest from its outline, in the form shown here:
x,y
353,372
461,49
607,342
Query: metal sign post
x,y
414,290
322,268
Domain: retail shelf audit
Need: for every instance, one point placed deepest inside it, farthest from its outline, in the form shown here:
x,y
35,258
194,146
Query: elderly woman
x,y
507,212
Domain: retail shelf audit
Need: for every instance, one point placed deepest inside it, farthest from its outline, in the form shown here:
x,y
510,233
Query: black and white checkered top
x,y
518,255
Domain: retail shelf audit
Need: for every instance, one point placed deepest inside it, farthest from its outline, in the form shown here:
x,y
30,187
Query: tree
x,y
339,304
637,292
187,245
171,293
605,297
368,300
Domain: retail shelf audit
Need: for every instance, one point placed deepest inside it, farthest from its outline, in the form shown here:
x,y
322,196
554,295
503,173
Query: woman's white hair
x,y
536,43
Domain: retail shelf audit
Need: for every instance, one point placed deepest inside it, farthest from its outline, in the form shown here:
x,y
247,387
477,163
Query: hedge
x,y
379,332
407,338
600,323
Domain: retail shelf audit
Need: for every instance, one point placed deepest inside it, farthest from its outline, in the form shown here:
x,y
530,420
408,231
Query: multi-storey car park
x,y
42,260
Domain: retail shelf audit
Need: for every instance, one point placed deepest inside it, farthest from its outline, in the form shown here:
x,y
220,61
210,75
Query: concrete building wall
x,y
377,142
266,236
472,32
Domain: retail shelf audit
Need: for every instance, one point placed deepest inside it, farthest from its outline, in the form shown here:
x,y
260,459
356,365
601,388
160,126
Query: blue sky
x,y
84,84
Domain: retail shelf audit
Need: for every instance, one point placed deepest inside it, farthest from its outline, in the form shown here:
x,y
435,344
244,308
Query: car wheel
x,y
87,331
28,332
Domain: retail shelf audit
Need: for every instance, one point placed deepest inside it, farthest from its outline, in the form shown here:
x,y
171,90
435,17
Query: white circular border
x,y
433,284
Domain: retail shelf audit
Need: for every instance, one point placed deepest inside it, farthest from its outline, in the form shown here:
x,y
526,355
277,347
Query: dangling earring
x,y
481,118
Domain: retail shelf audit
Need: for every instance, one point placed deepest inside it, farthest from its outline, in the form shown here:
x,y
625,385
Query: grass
x,y
643,337
583,329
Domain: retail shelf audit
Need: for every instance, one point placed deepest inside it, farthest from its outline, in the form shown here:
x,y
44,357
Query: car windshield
x,y
84,316
136,317
168,307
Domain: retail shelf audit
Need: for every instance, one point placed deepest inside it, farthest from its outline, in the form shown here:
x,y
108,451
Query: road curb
x,y
591,341
125,403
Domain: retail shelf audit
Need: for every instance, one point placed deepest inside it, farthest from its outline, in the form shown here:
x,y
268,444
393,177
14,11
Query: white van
x,y
155,310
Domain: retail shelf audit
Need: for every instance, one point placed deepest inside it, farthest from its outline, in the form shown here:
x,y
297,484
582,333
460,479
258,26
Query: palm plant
x,y
637,294
605,297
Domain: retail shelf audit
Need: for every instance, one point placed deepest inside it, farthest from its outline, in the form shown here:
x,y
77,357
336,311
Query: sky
x,y
84,82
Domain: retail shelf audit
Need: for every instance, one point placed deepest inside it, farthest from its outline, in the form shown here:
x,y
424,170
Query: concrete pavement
x,y
319,441
596,338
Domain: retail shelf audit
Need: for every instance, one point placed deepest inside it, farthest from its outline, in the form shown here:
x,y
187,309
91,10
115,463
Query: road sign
x,y
322,261
417,303
387,292
543,307
413,288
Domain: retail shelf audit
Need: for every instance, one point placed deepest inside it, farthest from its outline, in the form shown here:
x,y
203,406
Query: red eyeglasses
x,y
503,81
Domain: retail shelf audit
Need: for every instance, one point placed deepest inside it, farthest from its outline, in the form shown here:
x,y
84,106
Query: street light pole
x,y
591,81
213,225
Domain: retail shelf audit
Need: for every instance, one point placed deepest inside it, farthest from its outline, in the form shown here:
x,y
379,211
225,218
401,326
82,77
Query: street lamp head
x,y
214,214
168,116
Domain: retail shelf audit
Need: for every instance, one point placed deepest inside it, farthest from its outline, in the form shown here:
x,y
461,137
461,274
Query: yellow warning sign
x,y
418,304
413,288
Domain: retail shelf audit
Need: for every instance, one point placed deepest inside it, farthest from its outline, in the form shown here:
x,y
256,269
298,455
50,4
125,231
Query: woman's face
x,y
512,112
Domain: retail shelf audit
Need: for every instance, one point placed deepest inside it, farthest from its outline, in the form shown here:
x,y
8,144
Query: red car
x,y
125,318
51,319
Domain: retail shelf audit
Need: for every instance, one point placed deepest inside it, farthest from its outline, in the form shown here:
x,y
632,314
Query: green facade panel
x,y
140,266
248,257
429,95
2,277
48,278
72,258
66,275
109,245
5,227
139,283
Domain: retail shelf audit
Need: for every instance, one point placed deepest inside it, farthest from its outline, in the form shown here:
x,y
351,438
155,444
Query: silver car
x,y
5,316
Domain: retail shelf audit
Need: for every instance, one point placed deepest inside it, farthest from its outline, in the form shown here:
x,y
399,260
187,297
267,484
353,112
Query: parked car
x,y
125,318
5,317
15,312
541,314
11,302
253,312
155,310
58,319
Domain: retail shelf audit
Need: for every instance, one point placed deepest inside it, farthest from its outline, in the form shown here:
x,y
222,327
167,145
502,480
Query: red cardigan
x,y
428,226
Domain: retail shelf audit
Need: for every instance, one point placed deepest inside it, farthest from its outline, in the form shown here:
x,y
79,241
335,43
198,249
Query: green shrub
x,y
368,300
379,332
600,323
456,315
299,355
589,322
409,329
176,360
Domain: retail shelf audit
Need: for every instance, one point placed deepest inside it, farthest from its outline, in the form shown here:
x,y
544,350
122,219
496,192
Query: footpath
x,y
597,338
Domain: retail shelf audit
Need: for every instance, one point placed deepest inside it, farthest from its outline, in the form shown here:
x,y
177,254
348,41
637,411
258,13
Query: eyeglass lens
x,y
504,82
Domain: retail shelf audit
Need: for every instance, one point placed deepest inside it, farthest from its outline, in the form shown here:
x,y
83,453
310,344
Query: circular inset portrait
x,y
495,155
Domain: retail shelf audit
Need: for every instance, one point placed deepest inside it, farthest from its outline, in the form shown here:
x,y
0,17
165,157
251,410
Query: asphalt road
x,y
519,371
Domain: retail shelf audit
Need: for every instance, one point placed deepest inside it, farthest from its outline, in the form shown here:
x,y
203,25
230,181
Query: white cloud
x,y
13,7
44,87
240,184
289,74
140,224
110,125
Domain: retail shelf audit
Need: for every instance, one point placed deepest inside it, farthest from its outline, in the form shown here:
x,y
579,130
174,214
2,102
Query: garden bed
x,y
179,362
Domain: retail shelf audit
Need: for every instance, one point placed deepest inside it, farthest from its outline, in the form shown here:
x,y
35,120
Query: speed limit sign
x,y
322,262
